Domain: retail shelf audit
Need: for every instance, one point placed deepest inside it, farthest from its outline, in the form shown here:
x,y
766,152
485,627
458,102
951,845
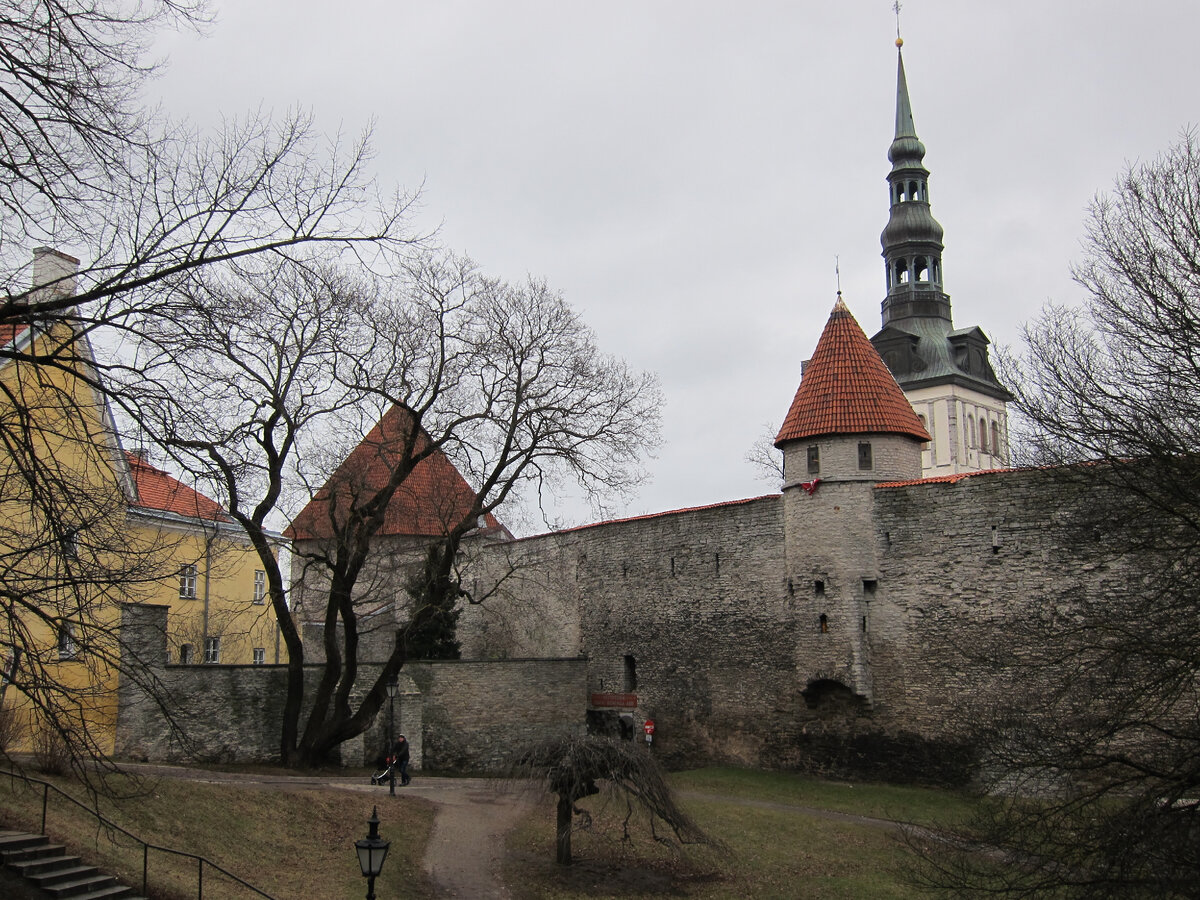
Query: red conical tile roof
x,y
431,500
847,389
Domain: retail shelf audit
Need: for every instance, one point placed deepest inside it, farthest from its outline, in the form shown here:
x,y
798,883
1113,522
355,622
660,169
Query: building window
x,y
970,431
187,583
819,588
185,654
67,648
70,544
814,460
260,656
983,435
996,438
212,650
260,587
630,674
864,456
824,624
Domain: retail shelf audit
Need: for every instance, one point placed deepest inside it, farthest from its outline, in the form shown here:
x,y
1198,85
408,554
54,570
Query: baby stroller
x,y
387,765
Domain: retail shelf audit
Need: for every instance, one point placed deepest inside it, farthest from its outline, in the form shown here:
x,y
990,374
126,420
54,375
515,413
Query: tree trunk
x,y
563,842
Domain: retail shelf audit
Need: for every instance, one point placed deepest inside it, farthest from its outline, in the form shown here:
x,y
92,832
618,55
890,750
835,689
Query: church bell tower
x,y
944,372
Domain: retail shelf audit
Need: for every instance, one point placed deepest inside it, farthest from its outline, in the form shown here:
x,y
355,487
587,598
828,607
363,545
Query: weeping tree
x,y
576,767
327,395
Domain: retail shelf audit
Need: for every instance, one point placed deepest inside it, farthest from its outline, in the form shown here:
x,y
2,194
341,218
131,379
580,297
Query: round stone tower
x,y
848,428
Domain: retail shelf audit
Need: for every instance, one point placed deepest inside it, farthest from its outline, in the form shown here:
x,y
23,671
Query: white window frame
x,y
187,582
68,648
260,587
212,651
260,656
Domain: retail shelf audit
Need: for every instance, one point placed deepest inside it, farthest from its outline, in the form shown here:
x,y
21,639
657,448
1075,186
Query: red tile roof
x,y
945,479
432,499
159,491
847,389
9,333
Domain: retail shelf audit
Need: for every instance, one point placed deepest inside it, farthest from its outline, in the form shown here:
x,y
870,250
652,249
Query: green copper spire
x,y
912,240
906,148
918,340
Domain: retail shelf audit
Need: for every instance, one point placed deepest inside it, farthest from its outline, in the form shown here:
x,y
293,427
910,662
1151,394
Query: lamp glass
x,y
371,854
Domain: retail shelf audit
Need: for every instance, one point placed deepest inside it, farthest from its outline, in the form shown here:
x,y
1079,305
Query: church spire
x,y
912,240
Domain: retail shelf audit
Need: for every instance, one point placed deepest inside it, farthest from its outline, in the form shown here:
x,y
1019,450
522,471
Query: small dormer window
x,y
864,455
814,460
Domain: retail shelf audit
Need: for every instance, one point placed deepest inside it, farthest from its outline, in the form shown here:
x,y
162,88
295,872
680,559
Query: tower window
x,y
970,431
819,588
996,438
902,271
921,269
824,622
630,681
814,460
983,435
864,456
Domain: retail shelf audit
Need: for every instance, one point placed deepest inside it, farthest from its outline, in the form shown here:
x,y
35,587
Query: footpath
x,y
472,813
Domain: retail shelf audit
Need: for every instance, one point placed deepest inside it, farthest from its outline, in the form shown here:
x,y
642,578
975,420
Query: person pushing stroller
x,y
394,758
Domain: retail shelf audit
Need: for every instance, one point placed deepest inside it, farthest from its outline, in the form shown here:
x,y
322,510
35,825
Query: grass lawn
x,y
772,852
290,843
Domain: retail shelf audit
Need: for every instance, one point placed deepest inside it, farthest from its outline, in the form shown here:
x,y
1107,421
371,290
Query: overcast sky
x,y
687,172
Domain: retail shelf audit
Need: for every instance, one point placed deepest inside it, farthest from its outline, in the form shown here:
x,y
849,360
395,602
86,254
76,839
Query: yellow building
x,y
86,526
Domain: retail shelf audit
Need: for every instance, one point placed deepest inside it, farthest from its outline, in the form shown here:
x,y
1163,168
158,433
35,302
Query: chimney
x,y
55,271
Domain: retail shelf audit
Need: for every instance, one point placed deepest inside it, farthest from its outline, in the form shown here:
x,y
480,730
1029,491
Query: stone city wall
x,y
475,711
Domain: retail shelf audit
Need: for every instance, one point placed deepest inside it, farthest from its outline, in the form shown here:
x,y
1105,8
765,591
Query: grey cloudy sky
x,y
686,172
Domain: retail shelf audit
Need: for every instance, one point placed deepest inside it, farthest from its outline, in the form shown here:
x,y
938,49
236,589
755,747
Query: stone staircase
x,y
48,867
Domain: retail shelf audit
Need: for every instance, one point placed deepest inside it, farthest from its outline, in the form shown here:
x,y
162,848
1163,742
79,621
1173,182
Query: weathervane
x,y
837,272
899,40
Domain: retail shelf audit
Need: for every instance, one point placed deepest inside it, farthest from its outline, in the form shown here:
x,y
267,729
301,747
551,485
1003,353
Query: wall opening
x,y
824,623
630,679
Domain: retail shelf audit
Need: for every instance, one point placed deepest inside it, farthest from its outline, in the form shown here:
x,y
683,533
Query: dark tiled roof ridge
x,y
655,515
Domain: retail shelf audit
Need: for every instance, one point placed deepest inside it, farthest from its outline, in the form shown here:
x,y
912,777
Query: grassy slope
x,y
292,844
774,853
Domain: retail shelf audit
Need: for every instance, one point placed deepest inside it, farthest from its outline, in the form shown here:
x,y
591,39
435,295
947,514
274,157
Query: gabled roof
x,y
158,491
847,389
431,500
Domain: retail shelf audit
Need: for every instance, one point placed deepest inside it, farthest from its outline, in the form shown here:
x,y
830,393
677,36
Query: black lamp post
x,y
372,851
392,687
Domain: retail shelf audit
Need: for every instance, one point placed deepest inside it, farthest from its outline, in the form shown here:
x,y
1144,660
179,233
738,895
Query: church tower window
x,y
814,460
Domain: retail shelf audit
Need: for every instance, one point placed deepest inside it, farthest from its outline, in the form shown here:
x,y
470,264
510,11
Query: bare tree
x,y
149,203
765,458
265,383
1097,744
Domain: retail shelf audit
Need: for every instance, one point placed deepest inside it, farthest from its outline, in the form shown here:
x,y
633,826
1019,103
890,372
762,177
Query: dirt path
x,y
466,849
463,858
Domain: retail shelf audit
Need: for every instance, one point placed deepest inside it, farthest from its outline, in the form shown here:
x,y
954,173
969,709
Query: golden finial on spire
x,y
899,40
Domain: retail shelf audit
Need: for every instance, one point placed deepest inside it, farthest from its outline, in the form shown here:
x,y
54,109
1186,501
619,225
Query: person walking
x,y
400,751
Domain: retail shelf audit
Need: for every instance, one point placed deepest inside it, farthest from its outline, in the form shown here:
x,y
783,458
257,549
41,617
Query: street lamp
x,y
392,686
372,851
